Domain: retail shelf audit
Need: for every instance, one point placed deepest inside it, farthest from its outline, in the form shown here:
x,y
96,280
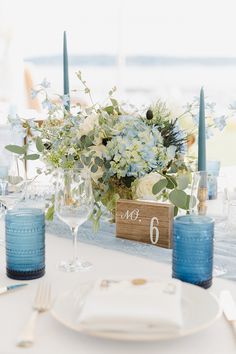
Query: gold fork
x,y
42,303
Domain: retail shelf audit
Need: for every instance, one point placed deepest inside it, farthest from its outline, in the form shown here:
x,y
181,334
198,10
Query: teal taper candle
x,y
201,134
65,72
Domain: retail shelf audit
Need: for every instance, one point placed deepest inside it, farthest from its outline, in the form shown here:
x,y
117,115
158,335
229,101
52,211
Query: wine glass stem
x,y
74,237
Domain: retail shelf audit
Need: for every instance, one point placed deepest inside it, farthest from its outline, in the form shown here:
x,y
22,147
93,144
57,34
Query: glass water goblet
x,y
12,183
2,217
73,205
3,179
209,196
12,187
17,175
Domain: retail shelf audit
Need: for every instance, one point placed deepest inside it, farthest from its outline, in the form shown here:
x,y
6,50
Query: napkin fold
x,y
133,305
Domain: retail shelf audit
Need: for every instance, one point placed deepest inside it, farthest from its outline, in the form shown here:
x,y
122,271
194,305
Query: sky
x,y
131,27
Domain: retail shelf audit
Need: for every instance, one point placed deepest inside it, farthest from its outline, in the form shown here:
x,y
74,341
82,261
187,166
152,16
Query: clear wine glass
x,y
73,205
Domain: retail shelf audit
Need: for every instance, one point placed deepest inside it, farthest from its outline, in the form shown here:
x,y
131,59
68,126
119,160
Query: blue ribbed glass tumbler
x,y
25,243
192,259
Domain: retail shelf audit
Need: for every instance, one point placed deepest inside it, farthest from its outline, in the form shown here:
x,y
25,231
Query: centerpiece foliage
x,y
131,153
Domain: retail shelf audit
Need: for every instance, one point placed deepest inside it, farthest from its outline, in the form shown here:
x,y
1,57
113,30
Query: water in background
x,y
146,78
142,81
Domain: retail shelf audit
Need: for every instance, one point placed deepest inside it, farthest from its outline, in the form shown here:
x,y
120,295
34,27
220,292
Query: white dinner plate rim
x,y
128,336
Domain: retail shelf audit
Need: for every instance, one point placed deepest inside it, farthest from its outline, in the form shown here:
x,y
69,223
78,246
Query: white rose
x,y
89,123
145,184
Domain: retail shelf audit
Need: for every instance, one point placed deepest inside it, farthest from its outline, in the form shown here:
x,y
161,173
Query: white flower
x,y
71,151
89,124
145,184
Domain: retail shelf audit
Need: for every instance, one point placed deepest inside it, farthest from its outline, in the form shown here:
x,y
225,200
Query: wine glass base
x,y
218,271
74,266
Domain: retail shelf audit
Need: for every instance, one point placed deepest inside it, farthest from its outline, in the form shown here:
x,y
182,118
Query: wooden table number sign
x,y
145,221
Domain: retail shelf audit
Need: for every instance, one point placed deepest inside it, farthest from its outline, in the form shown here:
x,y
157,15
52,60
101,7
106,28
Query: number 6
x,y
152,228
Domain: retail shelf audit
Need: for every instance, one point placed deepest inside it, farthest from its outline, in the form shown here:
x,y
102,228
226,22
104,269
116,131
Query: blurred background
x,y
147,48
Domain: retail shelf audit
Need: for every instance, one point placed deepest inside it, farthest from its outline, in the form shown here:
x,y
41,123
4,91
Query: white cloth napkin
x,y
122,305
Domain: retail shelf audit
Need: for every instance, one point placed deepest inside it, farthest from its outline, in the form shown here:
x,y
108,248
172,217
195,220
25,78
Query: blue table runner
x,y
224,247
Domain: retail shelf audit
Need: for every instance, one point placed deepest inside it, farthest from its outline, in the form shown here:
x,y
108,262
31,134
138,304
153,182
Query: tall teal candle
x,y
202,135
65,72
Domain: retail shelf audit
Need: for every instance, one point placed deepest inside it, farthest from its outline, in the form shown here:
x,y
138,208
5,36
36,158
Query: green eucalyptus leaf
x,y
79,164
16,149
98,161
14,180
109,109
107,165
176,210
50,213
82,139
88,141
114,102
171,182
159,186
39,171
39,144
32,157
173,169
86,160
94,168
187,206
178,198
183,181
192,202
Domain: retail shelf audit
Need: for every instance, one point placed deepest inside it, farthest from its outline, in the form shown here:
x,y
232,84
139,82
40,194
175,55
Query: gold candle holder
x,y
202,197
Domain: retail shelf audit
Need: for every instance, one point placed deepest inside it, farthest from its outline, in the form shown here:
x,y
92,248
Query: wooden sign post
x,y
145,221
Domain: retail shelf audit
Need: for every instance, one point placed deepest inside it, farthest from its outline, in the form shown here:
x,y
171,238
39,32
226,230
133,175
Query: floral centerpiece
x,y
131,153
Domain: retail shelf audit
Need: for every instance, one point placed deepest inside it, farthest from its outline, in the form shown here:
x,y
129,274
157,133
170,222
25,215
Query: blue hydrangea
x,y
135,148
47,104
209,132
220,122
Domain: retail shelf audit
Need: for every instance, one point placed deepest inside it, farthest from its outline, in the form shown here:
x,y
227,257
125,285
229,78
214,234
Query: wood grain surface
x,y
133,220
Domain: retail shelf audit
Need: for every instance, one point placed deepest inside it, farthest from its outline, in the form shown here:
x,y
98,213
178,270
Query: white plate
x,y
200,310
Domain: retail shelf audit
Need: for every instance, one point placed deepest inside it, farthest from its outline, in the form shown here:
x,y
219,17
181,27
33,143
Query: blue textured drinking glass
x,y
192,259
25,243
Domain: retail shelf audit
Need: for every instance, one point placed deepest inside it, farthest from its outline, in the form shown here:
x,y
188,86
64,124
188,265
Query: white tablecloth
x,y
52,337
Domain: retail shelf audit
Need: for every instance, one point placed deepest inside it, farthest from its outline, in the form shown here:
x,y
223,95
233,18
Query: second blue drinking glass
x,y
192,259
